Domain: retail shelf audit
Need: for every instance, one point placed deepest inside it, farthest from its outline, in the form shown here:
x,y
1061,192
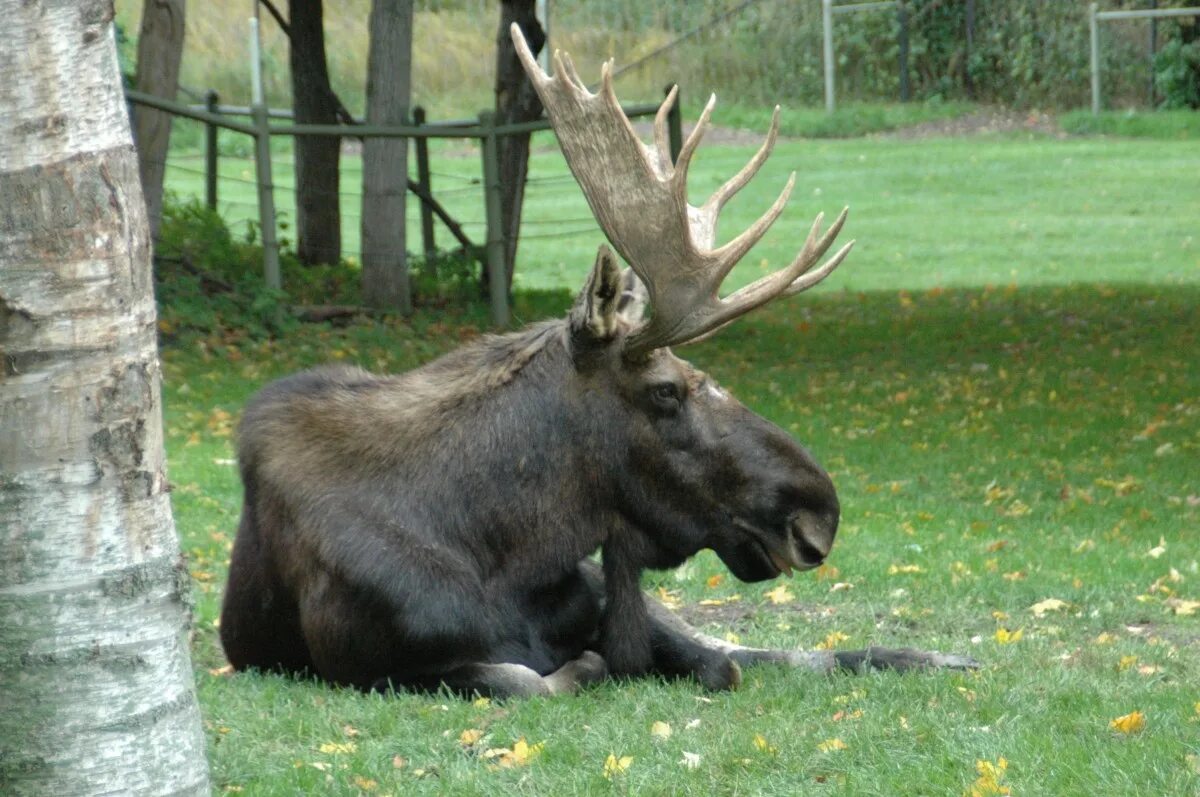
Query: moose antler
x,y
639,198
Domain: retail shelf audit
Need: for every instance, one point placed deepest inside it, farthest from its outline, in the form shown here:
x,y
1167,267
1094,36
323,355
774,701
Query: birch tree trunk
x,y
385,160
96,691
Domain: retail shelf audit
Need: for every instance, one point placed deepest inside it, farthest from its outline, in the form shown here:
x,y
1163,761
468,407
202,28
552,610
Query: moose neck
x,y
489,437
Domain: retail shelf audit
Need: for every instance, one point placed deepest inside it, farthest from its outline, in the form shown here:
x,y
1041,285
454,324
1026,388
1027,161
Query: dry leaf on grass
x,y
1133,722
615,766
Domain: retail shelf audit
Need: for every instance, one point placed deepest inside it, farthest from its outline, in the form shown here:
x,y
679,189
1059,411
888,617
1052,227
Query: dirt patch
x,y
984,121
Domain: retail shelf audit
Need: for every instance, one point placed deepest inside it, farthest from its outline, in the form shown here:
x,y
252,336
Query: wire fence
x,y
748,48
468,208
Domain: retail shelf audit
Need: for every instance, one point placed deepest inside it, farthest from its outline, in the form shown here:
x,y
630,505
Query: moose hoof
x,y
720,674
587,669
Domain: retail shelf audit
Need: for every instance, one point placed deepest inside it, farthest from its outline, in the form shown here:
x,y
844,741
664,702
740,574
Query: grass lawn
x,y
1002,381
934,212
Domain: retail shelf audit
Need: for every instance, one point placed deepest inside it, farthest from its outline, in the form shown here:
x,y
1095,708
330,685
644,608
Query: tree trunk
x,y
318,214
516,101
160,49
95,674
385,160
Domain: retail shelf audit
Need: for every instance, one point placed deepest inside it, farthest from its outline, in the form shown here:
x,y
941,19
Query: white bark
x,y
95,676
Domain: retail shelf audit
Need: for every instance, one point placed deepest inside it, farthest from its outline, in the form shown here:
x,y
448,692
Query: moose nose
x,y
812,533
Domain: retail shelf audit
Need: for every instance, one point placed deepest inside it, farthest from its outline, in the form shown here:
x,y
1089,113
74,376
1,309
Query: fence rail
x,y
830,9
484,130
1096,16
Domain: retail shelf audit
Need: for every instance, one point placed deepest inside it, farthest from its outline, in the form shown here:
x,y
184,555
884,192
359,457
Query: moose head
x,y
701,471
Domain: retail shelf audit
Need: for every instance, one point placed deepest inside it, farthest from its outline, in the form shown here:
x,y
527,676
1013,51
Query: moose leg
x,y
858,661
639,635
506,679
872,658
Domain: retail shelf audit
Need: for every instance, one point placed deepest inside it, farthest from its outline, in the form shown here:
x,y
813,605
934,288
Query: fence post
x,y
423,179
1153,43
827,28
902,18
1094,31
497,282
266,196
210,152
675,125
262,164
968,81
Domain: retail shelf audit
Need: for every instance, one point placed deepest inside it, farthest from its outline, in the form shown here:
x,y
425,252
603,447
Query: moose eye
x,y
666,396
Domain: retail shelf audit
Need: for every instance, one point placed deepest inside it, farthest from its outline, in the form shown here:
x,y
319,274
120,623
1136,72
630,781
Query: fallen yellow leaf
x,y
1006,637
988,783
338,747
660,730
1184,608
1126,662
615,766
830,745
366,784
669,598
714,581
720,601
763,745
895,569
519,755
831,640
1048,605
780,594
470,736
1132,722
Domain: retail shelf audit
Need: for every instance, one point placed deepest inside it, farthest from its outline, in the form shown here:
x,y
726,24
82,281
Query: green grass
x,y
1003,384
936,212
1167,125
848,120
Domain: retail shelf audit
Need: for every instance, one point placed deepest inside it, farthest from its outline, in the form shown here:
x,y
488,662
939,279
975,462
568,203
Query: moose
x,y
436,528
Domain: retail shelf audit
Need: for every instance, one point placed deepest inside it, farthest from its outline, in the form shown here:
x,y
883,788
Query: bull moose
x,y
436,528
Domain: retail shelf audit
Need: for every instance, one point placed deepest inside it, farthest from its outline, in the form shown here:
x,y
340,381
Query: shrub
x,y
208,280
1177,74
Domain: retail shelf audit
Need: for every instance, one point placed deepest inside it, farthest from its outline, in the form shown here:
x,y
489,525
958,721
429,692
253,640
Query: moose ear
x,y
595,316
634,298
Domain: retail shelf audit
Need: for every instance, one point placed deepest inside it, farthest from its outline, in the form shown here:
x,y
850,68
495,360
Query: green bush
x,y
1026,53
209,280
1177,74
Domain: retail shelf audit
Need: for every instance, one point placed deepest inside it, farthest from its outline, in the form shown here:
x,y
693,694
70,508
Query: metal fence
x,y
1096,16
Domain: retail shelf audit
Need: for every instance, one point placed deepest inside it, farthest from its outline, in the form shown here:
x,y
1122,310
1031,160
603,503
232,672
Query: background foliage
x,y
1026,52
